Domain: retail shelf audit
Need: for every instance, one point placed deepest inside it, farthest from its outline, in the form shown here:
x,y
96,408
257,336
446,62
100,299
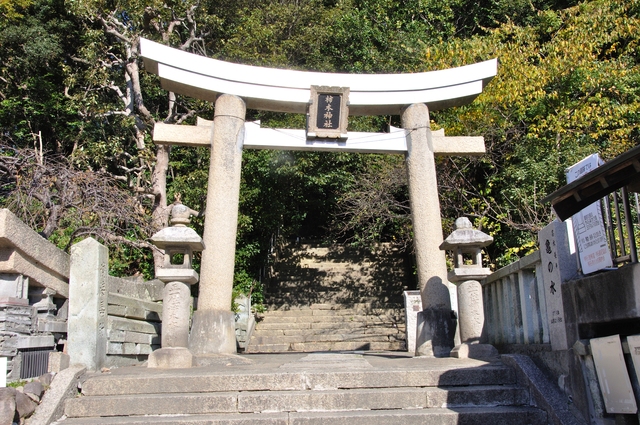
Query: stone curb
x,y
63,386
544,394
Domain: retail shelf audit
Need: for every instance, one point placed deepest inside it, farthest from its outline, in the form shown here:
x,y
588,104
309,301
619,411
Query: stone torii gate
x,y
235,87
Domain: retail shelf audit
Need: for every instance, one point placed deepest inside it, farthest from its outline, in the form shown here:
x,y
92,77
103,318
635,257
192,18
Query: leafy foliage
x,y
555,100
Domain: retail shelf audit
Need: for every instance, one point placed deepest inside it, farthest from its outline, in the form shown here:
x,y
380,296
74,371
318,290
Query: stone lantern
x,y
466,244
179,242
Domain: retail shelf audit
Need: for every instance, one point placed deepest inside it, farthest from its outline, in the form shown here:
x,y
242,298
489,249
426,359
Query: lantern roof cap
x,y
178,236
465,235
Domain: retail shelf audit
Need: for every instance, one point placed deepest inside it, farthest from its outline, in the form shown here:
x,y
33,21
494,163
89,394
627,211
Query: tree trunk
x,y
160,212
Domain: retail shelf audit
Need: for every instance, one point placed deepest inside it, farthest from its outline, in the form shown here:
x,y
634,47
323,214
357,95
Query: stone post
x,y
178,242
87,323
559,264
436,323
213,329
467,243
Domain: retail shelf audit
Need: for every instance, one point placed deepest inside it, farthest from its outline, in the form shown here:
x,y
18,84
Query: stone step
x,y
331,282
355,328
332,277
347,317
331,337
337,311
334,328
310,347
320,388
294,299
329,322
202,380
375,304
439,416
295,401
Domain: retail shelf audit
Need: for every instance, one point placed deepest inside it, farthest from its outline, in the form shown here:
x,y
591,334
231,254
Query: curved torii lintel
x,y
289,91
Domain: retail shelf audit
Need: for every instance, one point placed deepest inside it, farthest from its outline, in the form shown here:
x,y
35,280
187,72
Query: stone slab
x,y
475,351
290,401
544,393
134,288
53,326
196,380
170,358
123,300
152,404
13,301
15,261
128,349
63,386
58,361
134,325
36,257
118,335
215,419
480,395
347,346
331,361
35,341
190,382
441,416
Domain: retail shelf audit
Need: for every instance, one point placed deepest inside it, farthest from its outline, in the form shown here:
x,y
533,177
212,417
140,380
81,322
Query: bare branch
x,y
110,26
44,195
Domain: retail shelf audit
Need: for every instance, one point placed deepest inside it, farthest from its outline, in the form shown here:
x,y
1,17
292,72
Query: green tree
x,y
567,86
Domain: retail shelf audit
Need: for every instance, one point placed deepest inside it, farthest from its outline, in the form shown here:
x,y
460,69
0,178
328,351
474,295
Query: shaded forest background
x,y
77,110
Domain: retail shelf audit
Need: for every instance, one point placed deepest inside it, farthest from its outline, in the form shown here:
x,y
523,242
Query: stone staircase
x,y
310,389
331,298
325,327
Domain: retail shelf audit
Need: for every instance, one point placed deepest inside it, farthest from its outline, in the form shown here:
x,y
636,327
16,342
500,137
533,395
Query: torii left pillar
x,y
213,328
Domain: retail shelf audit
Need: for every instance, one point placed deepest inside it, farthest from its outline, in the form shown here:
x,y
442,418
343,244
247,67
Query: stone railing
x,y
514,304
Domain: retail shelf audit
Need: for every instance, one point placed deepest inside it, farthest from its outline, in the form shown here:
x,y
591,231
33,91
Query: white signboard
x,y
613,376
588,225
634,349
412,305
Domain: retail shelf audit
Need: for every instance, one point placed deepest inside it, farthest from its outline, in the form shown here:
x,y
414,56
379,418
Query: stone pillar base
x,y
213,332
436,332
171,358
475,351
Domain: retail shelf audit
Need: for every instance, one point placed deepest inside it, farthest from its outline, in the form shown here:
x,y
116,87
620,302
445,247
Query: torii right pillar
x,y
436,328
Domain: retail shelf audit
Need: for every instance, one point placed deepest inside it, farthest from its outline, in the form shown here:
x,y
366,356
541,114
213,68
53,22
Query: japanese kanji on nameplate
x,y
328,112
